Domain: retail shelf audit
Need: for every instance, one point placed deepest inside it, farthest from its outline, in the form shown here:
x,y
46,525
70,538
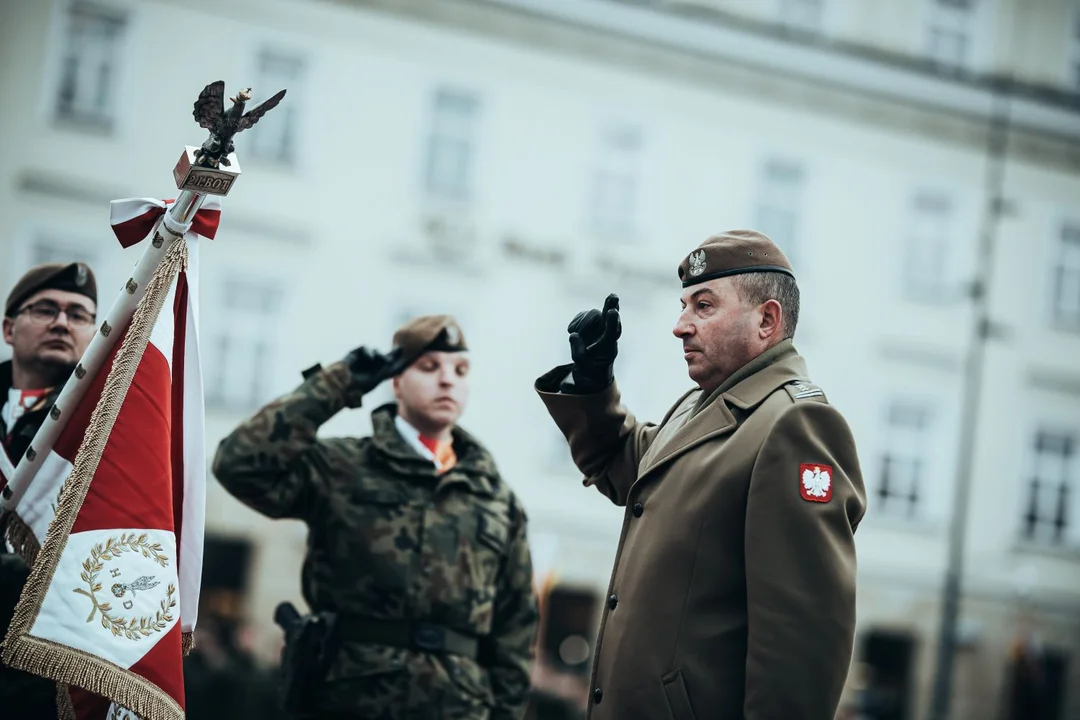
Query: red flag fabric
x,y
113,591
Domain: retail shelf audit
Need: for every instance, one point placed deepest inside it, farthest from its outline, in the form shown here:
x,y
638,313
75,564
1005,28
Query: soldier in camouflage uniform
x,y
417,549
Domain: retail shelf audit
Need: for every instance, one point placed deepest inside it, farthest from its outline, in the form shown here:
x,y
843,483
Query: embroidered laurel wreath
x,y
134,628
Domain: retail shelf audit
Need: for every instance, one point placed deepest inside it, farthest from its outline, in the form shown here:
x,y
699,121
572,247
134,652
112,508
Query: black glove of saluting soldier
x,y
369,368
594,336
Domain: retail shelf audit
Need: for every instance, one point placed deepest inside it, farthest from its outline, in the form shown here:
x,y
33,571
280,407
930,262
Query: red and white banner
x,y
115,584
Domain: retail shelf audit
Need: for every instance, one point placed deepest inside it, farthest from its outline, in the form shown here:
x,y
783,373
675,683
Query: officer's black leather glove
x,y
594,336
369,369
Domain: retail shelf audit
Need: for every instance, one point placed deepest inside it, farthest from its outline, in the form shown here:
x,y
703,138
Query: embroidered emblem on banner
x,y
815,482
120,713
129,561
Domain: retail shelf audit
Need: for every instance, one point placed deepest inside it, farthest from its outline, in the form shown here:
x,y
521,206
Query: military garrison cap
x,y
733,253
74,277
428,333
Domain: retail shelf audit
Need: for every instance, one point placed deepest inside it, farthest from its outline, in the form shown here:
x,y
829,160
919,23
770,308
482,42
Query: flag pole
x,y
211,169
170,228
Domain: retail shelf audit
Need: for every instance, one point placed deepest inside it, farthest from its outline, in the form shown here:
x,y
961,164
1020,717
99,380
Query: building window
x,y
927,262
802,15
274,137
90,63
1046,515
948,34
450,153
1066,282
904,463
613,214
48,249
780,202
1074,44
243,348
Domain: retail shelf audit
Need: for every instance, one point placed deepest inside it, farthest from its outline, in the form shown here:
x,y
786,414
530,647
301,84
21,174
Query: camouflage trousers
x,y
391,684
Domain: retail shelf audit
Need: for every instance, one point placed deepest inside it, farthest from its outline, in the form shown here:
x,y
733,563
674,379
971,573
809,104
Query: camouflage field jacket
x,y
390,539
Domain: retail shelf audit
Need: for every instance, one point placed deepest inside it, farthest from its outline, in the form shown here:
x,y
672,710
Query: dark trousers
x,y
22,695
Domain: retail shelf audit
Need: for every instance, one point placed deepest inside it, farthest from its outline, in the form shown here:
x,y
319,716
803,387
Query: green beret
x,y
74,277
733,253
429,333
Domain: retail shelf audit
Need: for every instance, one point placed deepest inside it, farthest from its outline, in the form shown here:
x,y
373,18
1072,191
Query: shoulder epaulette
x,y
800,390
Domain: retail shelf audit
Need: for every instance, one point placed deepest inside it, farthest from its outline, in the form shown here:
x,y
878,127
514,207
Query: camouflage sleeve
x,y
270,461
511,648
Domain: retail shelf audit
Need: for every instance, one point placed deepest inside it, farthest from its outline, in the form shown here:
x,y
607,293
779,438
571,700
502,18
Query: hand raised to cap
x,y
370,368
594,336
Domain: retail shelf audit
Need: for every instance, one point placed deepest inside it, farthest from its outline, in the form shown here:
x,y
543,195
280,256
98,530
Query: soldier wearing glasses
x,y
49,320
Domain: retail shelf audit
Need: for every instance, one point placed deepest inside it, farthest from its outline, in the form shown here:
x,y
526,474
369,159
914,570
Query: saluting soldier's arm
x,y
606,440
270,460
508,650
805,501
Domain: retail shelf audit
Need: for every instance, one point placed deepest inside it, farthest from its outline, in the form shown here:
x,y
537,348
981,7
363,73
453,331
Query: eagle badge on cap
x,y
80,275
697,263
452,335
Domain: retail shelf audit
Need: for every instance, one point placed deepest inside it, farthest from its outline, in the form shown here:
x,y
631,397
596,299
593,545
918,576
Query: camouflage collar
x,y
475,466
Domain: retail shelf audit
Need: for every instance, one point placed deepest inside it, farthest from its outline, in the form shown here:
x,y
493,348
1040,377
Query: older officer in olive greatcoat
x,y
733,591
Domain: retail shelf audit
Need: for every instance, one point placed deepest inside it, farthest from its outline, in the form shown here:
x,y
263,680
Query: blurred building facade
x,y
513,161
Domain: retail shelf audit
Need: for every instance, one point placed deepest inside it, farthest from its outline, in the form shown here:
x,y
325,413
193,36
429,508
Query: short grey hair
x,y
758,287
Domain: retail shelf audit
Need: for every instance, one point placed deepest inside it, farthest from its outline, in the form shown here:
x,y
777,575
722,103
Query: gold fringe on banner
x,y
187,642
60,662
65,710
22,539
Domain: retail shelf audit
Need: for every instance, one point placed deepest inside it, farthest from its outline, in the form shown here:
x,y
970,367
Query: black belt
x,y
425,637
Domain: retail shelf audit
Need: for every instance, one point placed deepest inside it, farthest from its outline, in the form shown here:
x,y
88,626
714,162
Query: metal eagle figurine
x,y
210,113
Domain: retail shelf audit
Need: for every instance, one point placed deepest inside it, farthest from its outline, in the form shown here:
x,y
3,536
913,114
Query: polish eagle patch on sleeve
x,y
815,482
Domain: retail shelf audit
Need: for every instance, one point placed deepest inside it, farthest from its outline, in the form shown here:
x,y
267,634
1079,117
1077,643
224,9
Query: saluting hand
x,y
370,367
594,337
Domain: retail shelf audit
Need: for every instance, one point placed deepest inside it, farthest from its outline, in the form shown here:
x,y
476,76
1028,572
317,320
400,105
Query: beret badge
x,y
697,263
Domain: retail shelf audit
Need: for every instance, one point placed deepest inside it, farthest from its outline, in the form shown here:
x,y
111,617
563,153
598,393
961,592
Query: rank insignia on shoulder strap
x,y
800,390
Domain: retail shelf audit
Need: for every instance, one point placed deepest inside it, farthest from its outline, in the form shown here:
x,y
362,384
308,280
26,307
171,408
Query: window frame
x,y
779,196
108,120
1061,494
1067,232
946,17
260,327
784,10
286,151
917,494
917,242
618,165
454,131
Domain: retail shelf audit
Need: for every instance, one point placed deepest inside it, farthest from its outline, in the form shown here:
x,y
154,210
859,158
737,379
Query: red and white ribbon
x,y
133,219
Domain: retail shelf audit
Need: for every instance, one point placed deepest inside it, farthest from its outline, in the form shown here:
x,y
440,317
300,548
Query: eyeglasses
x,y
45,313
